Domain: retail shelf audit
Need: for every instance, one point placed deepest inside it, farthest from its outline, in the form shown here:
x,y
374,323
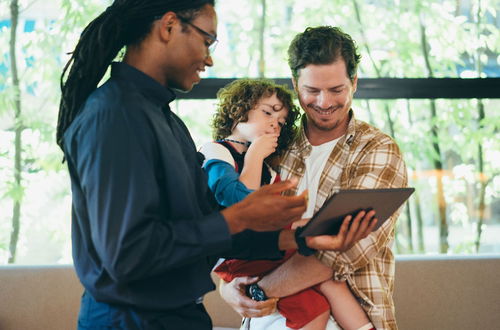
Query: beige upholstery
x,y
32,297
431,293
448,293
222,314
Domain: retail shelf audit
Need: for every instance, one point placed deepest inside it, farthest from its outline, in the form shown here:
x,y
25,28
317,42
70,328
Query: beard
x,y
324,125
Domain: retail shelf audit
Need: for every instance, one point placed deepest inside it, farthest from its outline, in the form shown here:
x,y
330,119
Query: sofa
x,y
431,292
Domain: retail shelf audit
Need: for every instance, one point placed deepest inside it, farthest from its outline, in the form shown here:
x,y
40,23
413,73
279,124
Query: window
x,y
449,141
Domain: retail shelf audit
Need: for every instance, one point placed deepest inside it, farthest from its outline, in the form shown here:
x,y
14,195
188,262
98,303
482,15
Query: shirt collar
x,y
154,91
351,129
302,144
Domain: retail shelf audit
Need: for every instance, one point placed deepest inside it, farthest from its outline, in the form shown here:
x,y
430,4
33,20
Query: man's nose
x,y
325,100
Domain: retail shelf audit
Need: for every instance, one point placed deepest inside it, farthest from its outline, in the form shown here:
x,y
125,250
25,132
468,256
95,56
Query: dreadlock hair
x,y
125,22
237,98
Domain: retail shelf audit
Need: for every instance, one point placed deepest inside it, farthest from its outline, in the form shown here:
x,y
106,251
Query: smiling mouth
x,y
325,112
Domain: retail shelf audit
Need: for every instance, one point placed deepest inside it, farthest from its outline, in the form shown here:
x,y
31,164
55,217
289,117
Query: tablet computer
x,y
329,218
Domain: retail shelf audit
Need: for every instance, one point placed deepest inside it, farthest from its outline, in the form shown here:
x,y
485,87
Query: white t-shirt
x,y
315,164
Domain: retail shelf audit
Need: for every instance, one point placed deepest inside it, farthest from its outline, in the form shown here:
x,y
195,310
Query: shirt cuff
x,y
253,245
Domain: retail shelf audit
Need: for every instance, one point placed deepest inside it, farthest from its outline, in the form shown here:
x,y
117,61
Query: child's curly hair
x,y
237,98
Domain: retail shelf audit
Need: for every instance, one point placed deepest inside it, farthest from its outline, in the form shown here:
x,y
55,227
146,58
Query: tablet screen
x,y
329,218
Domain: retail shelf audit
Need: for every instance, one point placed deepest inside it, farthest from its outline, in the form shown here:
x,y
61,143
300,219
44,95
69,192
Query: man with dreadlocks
x,y
145,227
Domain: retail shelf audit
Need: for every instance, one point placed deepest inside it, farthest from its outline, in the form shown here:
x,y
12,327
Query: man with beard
x,y
332,151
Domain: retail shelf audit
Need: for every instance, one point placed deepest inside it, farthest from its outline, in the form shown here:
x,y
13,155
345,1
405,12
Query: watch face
x,y
256,293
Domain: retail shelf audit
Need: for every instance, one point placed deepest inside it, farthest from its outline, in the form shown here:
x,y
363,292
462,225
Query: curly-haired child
x,y
253,126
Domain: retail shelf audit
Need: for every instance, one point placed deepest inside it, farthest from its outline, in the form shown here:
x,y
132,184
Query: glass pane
x,y
462,40
451,161
423,38
471,195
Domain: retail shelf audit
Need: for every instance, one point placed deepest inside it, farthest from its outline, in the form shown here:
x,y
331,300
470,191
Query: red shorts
x,y
298,309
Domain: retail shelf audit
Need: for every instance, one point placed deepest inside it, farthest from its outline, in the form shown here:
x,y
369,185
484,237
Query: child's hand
x,y
263,146
300,223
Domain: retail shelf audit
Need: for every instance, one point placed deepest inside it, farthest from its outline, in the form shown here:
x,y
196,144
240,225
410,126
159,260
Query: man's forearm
x,y
296,274
287,240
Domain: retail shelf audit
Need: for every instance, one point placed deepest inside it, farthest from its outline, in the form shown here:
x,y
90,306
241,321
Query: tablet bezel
x,y
329,218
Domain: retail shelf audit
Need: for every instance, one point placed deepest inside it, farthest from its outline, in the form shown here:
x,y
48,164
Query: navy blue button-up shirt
x,y
145,226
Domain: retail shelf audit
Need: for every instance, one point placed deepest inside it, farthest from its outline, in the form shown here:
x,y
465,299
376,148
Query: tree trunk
x,y
363,35
392,131
409,227
482,204
262,54
416,198
438,165
16,212
387,112
480,155
398,247
371,120
420,225
374,64
483,182
437,161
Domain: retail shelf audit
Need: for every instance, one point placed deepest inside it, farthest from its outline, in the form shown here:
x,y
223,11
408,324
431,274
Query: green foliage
x,y
461,42
466,247
460,39
14,191
40,58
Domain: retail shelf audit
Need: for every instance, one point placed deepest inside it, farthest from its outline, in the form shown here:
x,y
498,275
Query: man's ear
x,y
167,24
355,83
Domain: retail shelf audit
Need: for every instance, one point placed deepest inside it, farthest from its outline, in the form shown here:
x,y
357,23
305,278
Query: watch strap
x,y
302,249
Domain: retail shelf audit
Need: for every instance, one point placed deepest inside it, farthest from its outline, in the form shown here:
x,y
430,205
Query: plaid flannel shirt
x,y
363,158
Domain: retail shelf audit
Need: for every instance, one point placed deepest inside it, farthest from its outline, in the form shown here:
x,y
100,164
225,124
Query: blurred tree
x,y
29,85
16,190
450,146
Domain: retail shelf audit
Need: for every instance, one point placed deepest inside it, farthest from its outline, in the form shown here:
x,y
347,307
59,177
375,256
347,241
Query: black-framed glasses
x,y
213,39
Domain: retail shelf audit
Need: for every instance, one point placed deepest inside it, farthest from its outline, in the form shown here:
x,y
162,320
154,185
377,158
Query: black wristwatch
x,y
302,247
255,292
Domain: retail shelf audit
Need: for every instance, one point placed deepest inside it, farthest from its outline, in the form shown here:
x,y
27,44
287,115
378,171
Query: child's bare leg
x,y
346,310
319,323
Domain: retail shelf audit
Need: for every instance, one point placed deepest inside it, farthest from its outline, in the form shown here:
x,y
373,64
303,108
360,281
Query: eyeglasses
x,y
212,44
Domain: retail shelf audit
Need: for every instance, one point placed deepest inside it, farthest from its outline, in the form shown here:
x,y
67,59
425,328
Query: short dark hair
x,y
237,98
322,45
